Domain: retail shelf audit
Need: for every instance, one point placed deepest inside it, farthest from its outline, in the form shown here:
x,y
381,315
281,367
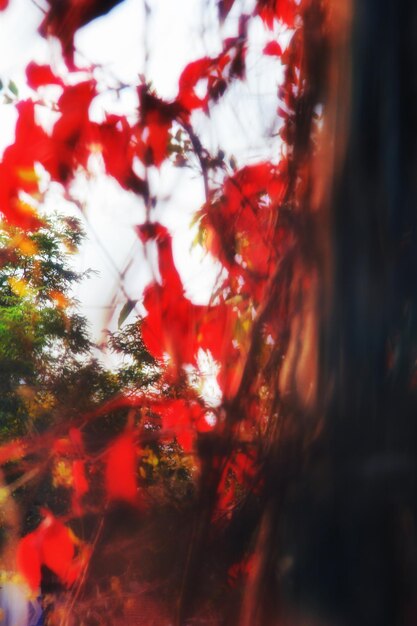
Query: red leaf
x,y
73,134
240,570
12,451
191,75
213,72
176,326
168,271
39,75
76,438
17,168
240,224
57,548
273,49
60,154
80,485
71,445
29,561
51,544
170,323
181,417
118,153
157,140
79,479
121,469
270,10
74,104
157,117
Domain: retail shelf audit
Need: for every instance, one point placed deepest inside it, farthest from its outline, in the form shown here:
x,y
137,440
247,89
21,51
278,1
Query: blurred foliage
x,y
39,325
50,378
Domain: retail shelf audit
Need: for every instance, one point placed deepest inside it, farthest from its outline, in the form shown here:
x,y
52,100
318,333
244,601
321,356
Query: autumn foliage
x,y
255,221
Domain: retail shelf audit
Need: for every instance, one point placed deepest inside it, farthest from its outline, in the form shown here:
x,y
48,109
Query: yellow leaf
x,y
62,474
4,494
28,174
19,286
150,457
26,246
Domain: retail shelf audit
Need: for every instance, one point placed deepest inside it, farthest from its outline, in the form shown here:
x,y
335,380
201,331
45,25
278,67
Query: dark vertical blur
x,y
351,528
334,531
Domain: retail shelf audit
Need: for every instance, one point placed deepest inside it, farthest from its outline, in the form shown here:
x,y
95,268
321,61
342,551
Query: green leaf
x,y
13,88
126,311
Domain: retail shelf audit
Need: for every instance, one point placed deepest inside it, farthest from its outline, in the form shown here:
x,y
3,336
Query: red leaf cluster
x,y
179,328
212,74
51,544
73,138
182,418
241,223
284,10
240,570
239,473
243,229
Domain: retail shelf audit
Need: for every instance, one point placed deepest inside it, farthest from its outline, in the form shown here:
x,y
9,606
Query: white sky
x,y
241,124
